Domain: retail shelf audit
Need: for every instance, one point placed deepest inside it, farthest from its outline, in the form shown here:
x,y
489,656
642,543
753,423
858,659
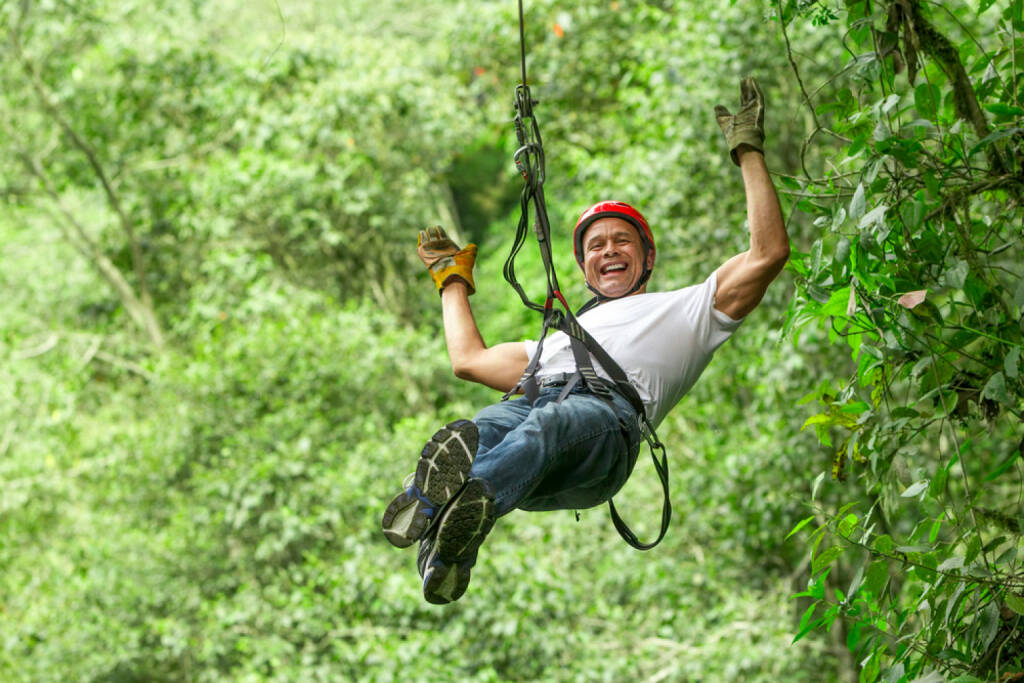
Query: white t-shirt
x,y
662,340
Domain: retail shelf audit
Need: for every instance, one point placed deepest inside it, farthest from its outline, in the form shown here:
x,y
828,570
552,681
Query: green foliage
x,y
918,274
208,510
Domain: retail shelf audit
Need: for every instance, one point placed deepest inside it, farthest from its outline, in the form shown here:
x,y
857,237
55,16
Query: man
x,y
575,451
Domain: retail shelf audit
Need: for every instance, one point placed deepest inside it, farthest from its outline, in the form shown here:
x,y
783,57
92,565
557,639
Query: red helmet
x,y
614,210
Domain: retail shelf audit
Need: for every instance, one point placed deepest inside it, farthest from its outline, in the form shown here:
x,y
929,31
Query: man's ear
x,y
650,260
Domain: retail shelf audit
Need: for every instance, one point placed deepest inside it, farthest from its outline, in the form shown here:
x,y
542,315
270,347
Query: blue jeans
x,y
556,456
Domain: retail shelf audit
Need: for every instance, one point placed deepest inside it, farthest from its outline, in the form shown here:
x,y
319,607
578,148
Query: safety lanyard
x,y
529,160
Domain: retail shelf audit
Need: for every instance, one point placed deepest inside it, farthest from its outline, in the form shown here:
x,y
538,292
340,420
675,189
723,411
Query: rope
x,y
529,160
522,41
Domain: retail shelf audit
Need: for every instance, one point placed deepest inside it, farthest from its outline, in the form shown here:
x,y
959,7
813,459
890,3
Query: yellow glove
x,y
443,258
746,126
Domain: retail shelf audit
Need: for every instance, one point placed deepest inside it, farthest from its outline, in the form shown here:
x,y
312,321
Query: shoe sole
x,y
441,472
444,583
461,530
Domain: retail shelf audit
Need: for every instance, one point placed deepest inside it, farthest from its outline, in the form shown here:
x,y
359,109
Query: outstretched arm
x,y
451,268
743,279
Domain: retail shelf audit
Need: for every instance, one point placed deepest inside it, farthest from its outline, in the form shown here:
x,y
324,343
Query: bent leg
x,y
565,455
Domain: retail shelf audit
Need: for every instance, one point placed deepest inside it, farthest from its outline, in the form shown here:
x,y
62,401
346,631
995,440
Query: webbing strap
x,y
582,342
529,160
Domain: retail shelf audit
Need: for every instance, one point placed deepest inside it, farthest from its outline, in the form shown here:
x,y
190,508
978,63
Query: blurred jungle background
x,y
220,354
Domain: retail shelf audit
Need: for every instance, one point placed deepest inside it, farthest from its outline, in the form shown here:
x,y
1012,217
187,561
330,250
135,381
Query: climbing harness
x,y
529,160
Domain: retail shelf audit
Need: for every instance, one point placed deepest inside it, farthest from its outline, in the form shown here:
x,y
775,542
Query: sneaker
x,y
442,470
449,552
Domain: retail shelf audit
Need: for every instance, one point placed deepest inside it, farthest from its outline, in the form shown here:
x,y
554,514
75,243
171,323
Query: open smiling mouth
x,y
613,268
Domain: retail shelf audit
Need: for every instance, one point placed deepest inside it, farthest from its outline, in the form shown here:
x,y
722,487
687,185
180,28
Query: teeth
x,y
618,266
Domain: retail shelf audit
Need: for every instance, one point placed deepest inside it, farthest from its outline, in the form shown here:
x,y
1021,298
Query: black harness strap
x,y
529,159
583,346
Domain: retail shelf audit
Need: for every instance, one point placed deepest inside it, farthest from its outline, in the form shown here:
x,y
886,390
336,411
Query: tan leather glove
x,y
746,126
443,258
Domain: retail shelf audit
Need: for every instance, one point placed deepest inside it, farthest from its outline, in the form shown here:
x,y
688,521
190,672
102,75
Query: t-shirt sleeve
x,y
531,347
712,325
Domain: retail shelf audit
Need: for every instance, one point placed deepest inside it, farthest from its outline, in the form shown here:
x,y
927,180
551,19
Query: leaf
x,y
883,544
805,627
1015,602
911,299
915,489
881,132
874,217
851,304
938,485
912,548
1003,109
989,626
847,524
994,137
857,204
1011,362
817,484
842,248
1003,466
869,673
838,218
876,578
913,214
837,302
955,562
956,275
990,74
890,103
973,548
855,408
858,578
927,99
995,389
800,525
819,419
825,558
984,5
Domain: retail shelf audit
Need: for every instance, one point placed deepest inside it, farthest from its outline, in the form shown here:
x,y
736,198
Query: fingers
x,y
434,233
750,91
721,112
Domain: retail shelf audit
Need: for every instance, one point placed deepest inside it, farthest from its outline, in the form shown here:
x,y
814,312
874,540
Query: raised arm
x,y
451,268
743,279
499,366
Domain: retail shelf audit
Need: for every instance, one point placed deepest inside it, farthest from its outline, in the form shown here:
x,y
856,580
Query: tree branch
x,y
86,149
140,311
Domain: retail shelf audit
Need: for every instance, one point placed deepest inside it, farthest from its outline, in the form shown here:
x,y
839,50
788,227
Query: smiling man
x,y
571,448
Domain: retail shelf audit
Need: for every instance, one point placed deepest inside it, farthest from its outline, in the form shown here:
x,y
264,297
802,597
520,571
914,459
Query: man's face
x,y
613,256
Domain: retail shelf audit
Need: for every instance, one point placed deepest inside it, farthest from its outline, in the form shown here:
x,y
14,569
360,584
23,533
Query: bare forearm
x,y
768,238
743,279
498,367
461,334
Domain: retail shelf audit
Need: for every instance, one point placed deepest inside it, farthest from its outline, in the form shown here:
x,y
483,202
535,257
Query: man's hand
x,y
746,126
443,258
